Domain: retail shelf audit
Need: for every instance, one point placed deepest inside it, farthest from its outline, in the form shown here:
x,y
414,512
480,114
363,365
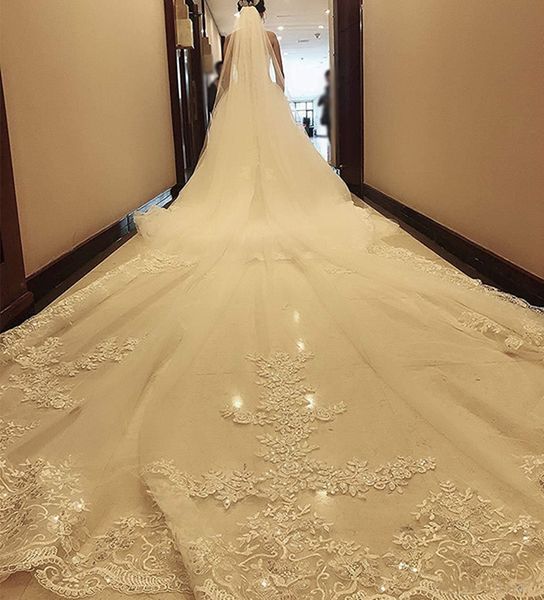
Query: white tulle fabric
x,y
274,399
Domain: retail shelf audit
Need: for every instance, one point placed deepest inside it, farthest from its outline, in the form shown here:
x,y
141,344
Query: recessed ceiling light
x,y
322,27
281,28
328,11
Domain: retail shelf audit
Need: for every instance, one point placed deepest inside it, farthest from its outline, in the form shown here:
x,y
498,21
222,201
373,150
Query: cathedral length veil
x,y
273,400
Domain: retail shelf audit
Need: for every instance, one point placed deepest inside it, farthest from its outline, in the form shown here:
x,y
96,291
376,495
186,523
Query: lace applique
x,y
42,527
287,405
40,504
155,261
15,341
42,373
136,555
459,548
10,431
447,273
424,264
532,334
468,545
338,271
533,467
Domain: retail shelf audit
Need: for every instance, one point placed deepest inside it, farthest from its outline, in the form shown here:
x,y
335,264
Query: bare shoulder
x,y
272,37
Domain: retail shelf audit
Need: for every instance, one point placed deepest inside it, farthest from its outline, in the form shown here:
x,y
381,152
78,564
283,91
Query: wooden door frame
x,y
348,82
200,108
187,93
175,100
15,299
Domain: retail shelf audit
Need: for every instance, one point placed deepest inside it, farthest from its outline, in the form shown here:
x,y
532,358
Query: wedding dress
x,y
273,400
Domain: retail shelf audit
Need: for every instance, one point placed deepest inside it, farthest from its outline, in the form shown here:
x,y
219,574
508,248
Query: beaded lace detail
x,y
424,264
43,378
530,336
10,431
42,528
287,406
533,467
15,341
459,547
445,272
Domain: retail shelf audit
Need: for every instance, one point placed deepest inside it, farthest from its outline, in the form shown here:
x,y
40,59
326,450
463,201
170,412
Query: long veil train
x,y
274,399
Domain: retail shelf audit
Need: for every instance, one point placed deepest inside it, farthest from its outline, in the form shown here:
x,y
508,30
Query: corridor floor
x,y
22,586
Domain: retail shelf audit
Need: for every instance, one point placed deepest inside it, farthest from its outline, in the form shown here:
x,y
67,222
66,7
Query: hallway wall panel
x,y
454,117
88,105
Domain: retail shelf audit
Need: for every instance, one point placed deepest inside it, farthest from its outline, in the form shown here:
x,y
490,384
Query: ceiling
x,y
301,20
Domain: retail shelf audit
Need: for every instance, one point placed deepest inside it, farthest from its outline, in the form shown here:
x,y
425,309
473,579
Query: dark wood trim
x,y
200,107
348,89
466,255
185,81
175,100
17,311
55,278
15,299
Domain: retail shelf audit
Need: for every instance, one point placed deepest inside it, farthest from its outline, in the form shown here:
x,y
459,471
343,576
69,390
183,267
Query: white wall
x,y
454,125
304,79
87,97
214,35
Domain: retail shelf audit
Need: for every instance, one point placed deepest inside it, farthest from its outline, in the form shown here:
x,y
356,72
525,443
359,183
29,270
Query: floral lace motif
x,y
333,270
42,373
460,547
287,405
155,261
532,334
40,504
533,467
10,431
42,528
447,273
424,264
14,342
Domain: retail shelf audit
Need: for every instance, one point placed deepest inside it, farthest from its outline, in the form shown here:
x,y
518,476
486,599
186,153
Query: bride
x,y
275,399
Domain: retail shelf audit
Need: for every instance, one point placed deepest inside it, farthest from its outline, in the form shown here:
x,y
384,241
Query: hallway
x,y
240,360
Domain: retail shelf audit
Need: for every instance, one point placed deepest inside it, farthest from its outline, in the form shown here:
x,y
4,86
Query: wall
x,y
214,35
454,116
87,97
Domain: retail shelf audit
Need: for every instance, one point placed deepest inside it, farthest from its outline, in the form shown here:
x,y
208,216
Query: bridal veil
x,y
274,399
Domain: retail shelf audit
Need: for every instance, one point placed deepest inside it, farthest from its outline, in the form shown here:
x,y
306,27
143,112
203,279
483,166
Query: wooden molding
x,y
55,278
15,299
465,254
348,87
175,100
17,311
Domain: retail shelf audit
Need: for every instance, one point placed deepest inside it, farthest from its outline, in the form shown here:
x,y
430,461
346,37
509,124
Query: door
x,y
189,111
15,300
348,91
195,111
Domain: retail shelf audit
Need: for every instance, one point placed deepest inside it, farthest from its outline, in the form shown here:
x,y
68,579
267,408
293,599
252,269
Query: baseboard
x,y
18,310
466,255
55,278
